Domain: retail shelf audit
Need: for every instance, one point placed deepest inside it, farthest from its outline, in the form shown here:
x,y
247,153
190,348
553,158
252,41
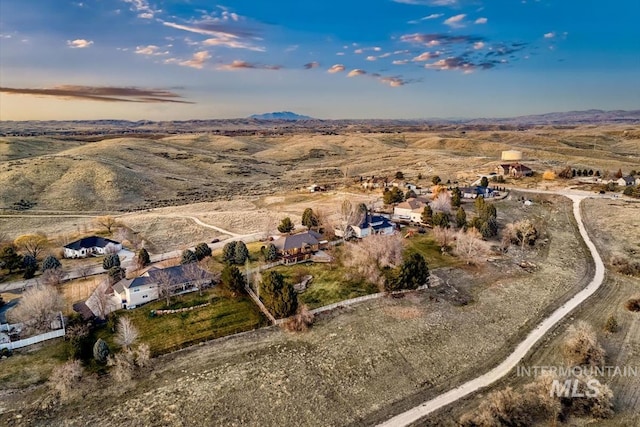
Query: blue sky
x,y
164,60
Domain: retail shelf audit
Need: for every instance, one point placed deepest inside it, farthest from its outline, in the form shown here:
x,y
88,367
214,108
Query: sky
x,y
348,59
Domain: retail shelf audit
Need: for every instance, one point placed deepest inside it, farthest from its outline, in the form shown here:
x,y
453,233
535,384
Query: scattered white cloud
x,y
79,43
372,58
244,65
143,8
198,60
356,72
455,21
549,35
481,21
338,68
150,50
425,56
478,45
400,62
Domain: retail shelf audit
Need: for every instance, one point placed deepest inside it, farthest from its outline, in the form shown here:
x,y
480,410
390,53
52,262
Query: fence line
x,y
36,339
260,305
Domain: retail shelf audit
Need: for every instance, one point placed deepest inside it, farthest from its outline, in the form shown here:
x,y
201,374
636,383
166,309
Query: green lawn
x,y
255,257
329,284
429,249
32,365
224,316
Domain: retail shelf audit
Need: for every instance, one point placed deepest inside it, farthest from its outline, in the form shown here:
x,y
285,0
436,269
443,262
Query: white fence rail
x,y
36,339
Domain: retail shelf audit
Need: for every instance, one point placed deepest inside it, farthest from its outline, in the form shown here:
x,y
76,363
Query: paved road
x,y
414,414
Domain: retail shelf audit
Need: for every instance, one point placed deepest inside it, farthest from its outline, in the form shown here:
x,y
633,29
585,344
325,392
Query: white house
x,y
146,288
93,245
477,191
625,181
372,224
411,209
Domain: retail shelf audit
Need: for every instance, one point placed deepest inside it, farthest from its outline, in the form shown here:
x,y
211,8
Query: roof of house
x,y
629,180
299,240
90,242
411,203
176,276
379,221
517,166
83,309
476,190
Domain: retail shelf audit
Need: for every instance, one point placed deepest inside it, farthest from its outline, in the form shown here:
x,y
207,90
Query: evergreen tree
x,y
270,252
232,279
461,217
30,265
50,262
310,219
436,180
229,252
441,219
456,197
142,258
202,250
393,196
413,272
241,253
484,182
286,226
109,261
101,351
10,259
188,256
410,194
427,215
279,297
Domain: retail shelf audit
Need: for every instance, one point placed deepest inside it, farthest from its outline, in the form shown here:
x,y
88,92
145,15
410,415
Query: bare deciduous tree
x,y
107,222
122,365
470,246
522,232
301,321
349,215
442,202
444,237
126,333
165,285
101,299
369,256
143,355
53,276
65,378
197,274
38,307
581,346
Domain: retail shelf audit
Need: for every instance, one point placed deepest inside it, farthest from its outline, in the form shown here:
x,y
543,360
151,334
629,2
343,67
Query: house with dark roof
x,y
515,170
89,246
300,246
372,224
155,281
625,181
477,191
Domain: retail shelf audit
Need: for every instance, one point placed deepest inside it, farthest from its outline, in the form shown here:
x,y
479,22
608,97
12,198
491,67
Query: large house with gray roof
x,y
92,245
300,246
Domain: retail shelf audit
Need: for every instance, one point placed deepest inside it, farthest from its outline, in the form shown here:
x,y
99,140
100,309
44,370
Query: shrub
x,y
229,253
202,250
611,325
279,297
270,252
50,262
110,261
188,256
625,266
286,225
549,175
101,351
581,346
633,304
301,322
65,378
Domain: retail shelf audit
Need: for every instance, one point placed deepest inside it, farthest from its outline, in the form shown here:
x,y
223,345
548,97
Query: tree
x,y
442,202
101,351
566,173
202,250
522,232
270,252
549,175
441,219
456,197
309,219
65,379
142,258
126,333
33,244
115,274
410,194
413,272
30,265
399,175
241,253
419,176
470,246
286,225
10,259
301,321
38,307
349,215
50,262
106,222
278,296
229,252
618,174
581,346
484,182
393,196
371,256
436,180
188,256
461,218
427,215
197,275
110,261
444,237
165,285
233,280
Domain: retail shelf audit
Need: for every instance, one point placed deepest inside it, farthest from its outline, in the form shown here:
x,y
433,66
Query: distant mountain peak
x,y
281,115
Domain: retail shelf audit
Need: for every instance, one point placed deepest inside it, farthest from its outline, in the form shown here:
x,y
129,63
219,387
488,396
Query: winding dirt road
x,y
426,408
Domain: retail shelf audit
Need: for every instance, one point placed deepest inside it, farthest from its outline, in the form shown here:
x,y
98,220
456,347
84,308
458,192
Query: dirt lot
x,y
351,367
